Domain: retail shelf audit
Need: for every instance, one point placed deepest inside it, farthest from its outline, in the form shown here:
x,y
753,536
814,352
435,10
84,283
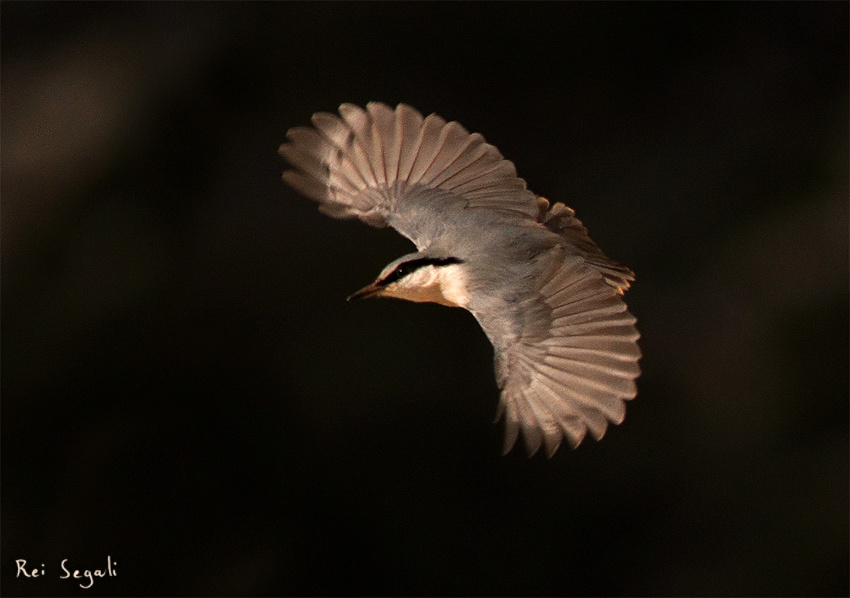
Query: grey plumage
x,y
549,300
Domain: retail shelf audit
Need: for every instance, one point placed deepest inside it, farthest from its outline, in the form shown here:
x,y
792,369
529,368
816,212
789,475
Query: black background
x,y
185,389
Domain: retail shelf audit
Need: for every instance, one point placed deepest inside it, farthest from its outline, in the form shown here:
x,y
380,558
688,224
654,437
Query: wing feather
x,y
459,168
553,379
454,140
571,424
532,426
306,162
368,148
510,413
306,185
384,124
430,142
409,123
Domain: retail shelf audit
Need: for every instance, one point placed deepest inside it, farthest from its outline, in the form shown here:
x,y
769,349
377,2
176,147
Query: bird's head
x,y
421,278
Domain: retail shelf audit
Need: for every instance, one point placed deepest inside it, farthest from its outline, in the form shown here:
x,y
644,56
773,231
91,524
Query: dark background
x,y
185,389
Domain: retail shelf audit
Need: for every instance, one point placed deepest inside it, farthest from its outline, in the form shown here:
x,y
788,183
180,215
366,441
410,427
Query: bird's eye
x,y
400,272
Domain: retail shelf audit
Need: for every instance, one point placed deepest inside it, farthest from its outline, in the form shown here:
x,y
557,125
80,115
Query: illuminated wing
x,y
566,357
396,168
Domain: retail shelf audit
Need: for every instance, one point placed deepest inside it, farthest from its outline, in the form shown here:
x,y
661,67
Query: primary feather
x,y
547,297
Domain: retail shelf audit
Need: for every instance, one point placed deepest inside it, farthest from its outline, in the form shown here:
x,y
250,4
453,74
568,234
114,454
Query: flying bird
x,y
549,300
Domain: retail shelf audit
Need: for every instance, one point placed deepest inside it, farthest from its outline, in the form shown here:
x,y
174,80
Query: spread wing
x,y
396,168
566,356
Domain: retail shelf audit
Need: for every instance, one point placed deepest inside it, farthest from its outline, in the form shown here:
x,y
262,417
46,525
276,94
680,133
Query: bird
x,y
546,296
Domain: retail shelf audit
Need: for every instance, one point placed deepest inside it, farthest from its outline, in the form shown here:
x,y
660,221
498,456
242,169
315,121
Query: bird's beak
x,y
373,290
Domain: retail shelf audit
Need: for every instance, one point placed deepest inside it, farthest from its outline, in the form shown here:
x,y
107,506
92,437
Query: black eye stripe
x,y
406,268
